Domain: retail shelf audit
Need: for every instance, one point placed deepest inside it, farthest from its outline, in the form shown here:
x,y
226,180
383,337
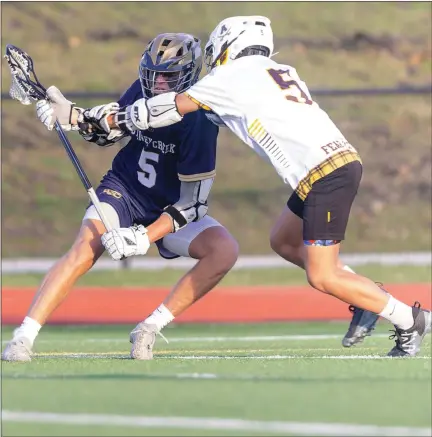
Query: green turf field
x,y
246,372
277,276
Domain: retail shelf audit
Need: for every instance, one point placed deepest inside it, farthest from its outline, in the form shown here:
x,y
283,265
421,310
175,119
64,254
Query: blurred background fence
x,y
368,65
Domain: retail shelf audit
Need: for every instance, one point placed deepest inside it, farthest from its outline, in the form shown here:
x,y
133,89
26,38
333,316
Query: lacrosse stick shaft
x,y
24,88
82,175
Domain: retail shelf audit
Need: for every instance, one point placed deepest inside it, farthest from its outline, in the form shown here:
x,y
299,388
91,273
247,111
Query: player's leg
x,y
60,279
55,287
326,213
286,240
216,251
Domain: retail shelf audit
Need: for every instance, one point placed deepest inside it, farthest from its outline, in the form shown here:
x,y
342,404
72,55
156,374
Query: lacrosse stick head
x,y
25,85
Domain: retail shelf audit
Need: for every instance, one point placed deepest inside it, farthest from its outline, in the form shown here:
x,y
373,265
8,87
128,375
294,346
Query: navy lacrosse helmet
x,y
171,62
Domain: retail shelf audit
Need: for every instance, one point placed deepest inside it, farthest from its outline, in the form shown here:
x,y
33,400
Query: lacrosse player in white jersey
x,y
269,107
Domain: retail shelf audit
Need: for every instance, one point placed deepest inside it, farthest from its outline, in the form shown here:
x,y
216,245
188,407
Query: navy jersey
x,y
154,161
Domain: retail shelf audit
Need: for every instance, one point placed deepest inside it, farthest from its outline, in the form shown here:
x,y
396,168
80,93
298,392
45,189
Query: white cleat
x,y
143,338
18,349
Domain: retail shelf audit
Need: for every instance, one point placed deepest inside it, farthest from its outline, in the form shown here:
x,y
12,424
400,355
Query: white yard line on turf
x,y
210,423
204,376
209,339
162,376
160,356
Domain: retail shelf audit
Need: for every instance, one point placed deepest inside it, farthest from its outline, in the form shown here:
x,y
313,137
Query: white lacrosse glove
x,y
159,111
98,115
124,242
57,106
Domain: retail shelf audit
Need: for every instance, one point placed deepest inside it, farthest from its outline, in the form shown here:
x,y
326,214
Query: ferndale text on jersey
x,y
337,145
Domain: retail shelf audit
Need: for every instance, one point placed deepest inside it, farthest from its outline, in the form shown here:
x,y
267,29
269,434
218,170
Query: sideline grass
x,y
278,276
305,388
340,45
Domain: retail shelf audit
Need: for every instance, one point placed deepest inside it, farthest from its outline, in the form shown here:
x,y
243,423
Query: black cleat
x,y
362,324
408,341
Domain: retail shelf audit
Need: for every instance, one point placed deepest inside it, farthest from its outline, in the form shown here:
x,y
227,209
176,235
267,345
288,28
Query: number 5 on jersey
x,y
148,174
290,86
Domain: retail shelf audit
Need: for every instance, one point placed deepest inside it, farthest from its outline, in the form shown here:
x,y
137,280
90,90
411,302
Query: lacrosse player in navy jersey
x,y
158,185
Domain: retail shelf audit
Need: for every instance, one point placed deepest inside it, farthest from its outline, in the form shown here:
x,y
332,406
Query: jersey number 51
x,y
290,87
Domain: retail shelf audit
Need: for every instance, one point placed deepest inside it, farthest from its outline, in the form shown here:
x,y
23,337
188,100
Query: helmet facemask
x,y
208,57
154,82
171,62
254,50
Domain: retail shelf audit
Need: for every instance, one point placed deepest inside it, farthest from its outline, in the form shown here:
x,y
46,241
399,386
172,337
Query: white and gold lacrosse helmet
x,y
235,37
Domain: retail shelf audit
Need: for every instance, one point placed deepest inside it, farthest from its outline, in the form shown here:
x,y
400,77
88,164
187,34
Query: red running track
x,y
97,305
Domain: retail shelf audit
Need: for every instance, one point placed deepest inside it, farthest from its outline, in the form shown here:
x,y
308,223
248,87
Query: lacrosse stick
x,y
24,88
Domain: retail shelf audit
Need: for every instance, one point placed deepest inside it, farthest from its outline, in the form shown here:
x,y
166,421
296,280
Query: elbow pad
x,y
159,111
192,204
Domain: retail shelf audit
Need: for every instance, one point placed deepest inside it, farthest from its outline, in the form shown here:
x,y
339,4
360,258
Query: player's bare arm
x,y
160,228
185,104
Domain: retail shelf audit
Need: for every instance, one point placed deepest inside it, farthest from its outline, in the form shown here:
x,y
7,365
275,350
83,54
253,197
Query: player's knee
x,y
225,252
285,250
275,244
82,255
320,280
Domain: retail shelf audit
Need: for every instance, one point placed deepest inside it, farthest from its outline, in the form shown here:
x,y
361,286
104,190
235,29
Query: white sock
x,y
160,317
348,269
398,313
29,329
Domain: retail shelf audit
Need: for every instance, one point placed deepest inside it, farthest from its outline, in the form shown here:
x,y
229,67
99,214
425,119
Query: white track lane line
x,y
160,356
296,428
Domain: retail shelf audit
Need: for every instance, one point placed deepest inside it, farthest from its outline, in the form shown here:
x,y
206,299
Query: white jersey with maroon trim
x,y
270,108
